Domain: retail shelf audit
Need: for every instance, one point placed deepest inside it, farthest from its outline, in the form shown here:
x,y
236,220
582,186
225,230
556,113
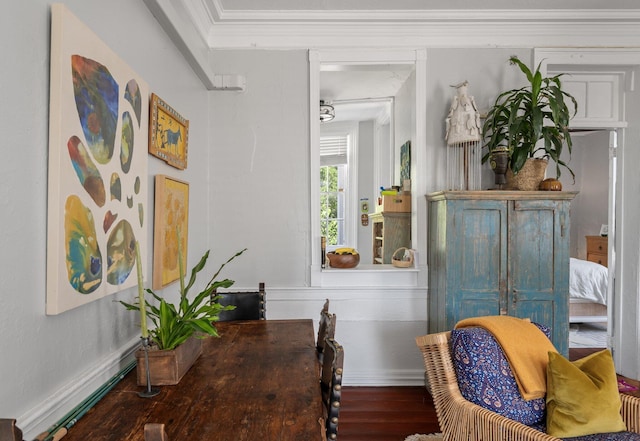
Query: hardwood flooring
x,y
393,413
385,413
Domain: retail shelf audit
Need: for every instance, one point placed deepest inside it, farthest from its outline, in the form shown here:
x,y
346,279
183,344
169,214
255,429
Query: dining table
x,y
257,381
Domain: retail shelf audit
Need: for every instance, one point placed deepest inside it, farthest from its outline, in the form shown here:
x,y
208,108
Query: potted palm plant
x,y
520,118
175,342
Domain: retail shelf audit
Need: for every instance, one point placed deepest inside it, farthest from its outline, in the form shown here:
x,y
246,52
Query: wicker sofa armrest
x,y
631,412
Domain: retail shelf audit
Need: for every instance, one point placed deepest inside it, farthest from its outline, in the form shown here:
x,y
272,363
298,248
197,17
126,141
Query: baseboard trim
x,y
393,377
57,405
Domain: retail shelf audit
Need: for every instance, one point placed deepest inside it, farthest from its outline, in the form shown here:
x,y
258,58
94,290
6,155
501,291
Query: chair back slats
x,y
331,385
249,305
326,329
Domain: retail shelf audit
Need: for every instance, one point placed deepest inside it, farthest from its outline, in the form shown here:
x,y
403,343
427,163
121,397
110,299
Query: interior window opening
x,y
334,190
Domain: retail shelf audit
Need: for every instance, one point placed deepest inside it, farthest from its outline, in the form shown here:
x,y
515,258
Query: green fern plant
x,y
174,324
521,117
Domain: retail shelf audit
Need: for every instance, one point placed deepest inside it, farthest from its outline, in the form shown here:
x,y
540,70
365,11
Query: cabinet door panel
x,y
531,250
478,270
539,265
539,311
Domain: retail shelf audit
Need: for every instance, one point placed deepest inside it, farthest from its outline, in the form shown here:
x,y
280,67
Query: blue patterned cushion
x,y
485,377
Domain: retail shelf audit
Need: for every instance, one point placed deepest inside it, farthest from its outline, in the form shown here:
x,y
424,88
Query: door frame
x,y
610,60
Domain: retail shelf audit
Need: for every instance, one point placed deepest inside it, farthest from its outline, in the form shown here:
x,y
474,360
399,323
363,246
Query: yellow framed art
x,y
168,133
171,214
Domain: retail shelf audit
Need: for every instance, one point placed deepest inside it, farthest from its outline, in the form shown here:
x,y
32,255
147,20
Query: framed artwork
x,y
168,134
97,177
171,223
405,162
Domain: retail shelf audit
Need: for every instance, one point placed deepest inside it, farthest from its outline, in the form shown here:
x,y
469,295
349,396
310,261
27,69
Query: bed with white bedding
x,y
587,291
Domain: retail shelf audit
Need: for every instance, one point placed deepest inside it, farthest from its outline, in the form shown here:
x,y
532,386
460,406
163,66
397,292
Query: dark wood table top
x,y
258,381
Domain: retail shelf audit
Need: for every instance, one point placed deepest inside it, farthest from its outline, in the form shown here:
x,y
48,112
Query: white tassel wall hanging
x,y
463,137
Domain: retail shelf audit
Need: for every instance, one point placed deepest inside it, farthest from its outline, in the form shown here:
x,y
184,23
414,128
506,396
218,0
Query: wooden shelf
x,y
391,230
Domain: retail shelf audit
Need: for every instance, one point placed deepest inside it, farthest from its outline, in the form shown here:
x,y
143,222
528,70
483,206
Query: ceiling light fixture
x,y
327,112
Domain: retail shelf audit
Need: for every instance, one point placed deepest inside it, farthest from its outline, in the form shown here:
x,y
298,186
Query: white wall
x,y
45,359
627,306
259,167
269,213
487,71
589,209
366,186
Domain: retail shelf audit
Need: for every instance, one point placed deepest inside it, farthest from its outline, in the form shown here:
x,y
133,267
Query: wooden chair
x,y
155,432
326,329
9,431
325,307
461,419
331,386
250,305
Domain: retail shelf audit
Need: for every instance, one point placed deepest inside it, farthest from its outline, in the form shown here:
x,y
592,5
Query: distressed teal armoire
x,y
497,253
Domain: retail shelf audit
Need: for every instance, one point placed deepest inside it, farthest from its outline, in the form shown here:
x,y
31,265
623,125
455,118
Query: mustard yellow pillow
x,y
582,396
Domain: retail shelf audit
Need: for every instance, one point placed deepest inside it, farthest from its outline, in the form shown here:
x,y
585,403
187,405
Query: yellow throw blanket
x,y
525,346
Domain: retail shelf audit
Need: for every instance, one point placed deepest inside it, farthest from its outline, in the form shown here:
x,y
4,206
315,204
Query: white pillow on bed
x,y
588,281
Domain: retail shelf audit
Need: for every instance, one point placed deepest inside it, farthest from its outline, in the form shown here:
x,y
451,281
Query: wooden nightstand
x,y
597,249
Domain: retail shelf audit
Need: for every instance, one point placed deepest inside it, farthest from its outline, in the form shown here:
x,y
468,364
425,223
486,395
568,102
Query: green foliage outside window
x,y
329,204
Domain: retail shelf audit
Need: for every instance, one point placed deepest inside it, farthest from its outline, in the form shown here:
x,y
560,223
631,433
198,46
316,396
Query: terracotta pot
x,y
529,177
167,367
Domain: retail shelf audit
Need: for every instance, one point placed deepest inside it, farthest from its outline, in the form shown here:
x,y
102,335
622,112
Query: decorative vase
x,y
529,177
499,163
167,367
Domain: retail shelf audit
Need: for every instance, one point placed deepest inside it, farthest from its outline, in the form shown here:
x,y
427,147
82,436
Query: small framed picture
x,y
604,230
168,133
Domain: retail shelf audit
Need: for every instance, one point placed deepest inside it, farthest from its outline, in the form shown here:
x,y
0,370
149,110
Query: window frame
x,y
350,130
366,275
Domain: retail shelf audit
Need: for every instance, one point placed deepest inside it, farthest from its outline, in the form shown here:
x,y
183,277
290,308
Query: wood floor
x,y
393,413
385,413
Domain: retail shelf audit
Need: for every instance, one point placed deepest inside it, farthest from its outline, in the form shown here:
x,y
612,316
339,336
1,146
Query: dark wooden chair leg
x,y
155,432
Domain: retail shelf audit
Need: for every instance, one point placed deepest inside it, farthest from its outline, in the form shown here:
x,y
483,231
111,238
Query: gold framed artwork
x,y
97,175
171,215
168,133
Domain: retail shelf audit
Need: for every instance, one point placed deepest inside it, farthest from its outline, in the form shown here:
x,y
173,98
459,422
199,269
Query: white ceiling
x,y
361,92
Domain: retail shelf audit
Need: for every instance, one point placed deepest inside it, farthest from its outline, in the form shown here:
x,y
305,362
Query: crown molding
x,y
415,15
296,29
413,35
199,26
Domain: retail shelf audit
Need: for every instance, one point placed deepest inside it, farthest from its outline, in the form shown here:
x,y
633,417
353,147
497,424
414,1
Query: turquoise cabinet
x,y
499,253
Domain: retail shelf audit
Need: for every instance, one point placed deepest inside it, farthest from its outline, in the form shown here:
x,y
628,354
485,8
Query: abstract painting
x,y
97,201
170,229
